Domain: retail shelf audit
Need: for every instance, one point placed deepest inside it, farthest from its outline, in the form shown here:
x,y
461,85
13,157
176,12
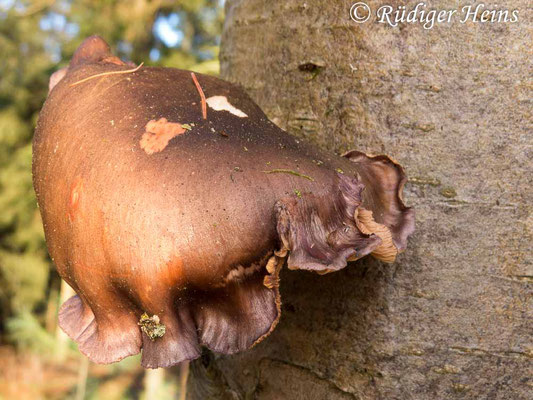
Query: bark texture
x,y
452,317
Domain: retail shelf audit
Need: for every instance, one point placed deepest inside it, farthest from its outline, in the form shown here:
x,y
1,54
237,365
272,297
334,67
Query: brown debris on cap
x,y
201,93
158,134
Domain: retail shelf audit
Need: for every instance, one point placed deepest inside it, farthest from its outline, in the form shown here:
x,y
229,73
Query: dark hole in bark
x,y
309,67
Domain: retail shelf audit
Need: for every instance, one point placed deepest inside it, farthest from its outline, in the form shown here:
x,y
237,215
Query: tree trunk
x,y
452,317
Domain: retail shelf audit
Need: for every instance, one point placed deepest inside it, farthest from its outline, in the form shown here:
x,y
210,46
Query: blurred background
x,y
36,38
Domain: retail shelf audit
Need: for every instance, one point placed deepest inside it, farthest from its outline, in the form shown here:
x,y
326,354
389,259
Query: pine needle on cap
x,y
202,95
128,71
288,171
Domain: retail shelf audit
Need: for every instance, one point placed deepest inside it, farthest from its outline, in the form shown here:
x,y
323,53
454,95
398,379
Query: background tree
x,y
452,318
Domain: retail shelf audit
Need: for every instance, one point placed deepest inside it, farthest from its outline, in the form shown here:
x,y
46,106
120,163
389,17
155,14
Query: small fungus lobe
x,y
386,251
56,77
158,134
221,103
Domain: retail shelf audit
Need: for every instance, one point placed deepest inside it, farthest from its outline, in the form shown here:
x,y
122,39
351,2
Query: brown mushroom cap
x,y
172,228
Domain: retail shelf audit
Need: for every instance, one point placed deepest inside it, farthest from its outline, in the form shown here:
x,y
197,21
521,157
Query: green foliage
x,y
37,38
24,278
28,334
24,68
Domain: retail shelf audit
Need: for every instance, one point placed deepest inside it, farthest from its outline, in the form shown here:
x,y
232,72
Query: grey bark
x,y
452,317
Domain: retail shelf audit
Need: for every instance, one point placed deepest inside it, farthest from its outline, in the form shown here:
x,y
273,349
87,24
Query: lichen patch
x,y
221,103
152,326
159,133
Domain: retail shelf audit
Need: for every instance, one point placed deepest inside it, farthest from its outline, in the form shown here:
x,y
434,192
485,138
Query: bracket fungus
x,y
168,247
